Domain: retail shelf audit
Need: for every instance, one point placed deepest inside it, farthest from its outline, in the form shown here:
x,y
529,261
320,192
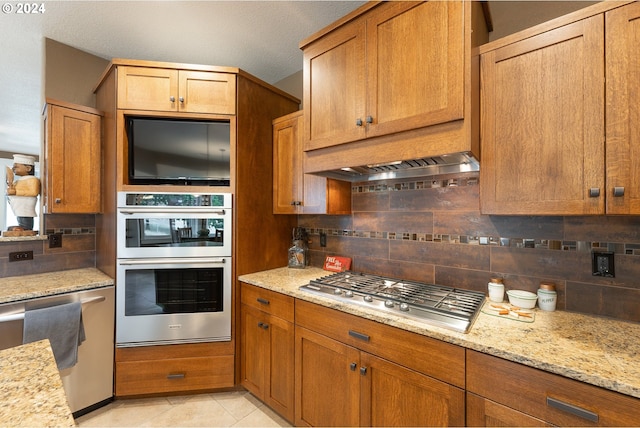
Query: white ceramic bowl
x,y
523,299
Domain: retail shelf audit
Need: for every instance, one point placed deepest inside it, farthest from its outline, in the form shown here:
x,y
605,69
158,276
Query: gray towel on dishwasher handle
x,y
62,325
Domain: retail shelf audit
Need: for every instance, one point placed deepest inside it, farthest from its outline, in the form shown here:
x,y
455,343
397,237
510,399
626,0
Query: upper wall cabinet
x,y
73,159
543,117
171,90
622,39
399,66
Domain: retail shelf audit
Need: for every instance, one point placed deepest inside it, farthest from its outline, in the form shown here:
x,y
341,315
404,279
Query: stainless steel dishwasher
x,y
88,384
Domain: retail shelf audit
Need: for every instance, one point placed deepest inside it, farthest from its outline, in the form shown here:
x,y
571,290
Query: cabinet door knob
x,y
58,201
181,99
353,367
358,122
369,119
363,371
172,99
618,191
594,192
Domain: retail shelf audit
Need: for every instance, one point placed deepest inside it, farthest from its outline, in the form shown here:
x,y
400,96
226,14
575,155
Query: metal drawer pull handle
x,y
618,191
574,410
175,376
594,192
358,335
263,301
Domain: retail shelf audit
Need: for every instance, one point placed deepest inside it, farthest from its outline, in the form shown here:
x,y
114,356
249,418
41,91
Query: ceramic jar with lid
x,y
547,296
496,290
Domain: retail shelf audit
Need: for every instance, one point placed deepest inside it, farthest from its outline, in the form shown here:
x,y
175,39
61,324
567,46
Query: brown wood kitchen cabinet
x,y
293,191
73,161
173,368
163,89
543,127
365,79
267,347
505,393
351,371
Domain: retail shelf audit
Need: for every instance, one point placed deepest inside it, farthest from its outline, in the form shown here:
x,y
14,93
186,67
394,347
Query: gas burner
x,y
447,307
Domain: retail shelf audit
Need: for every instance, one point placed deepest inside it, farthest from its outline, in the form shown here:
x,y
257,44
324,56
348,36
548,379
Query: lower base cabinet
x,y
266,347
341,384
173,368
503,392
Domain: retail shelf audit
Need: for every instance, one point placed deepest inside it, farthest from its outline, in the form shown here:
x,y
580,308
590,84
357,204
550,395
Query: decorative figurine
x,y
23,188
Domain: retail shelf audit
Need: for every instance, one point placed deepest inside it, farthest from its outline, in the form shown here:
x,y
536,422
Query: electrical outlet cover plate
x,y
602,264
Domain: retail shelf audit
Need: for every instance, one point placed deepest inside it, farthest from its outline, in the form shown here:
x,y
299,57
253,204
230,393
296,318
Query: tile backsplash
x,y
78,247
432,231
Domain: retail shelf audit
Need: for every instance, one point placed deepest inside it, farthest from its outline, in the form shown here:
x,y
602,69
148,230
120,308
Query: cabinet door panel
x,y
334,91
486,413
207,92
73,177
393,395
287,165
141,88
623,113
327,389
543,123
415,65
255,349
279,370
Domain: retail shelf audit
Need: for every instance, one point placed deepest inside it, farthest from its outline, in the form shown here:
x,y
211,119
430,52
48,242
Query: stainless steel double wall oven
x,y
174,268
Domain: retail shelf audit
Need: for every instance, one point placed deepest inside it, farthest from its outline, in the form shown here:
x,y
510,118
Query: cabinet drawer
x,y
547,396
180,374
277,304
432,357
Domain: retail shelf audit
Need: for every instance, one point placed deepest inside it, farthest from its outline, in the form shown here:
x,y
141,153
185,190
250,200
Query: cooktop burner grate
x,y
447,305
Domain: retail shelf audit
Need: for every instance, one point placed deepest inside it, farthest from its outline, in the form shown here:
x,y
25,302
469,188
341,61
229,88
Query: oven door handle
x,y
166,261
164,210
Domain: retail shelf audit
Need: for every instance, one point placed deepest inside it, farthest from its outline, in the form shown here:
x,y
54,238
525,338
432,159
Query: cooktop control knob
x,y
368,298
404,307
388,303
348,293
337,291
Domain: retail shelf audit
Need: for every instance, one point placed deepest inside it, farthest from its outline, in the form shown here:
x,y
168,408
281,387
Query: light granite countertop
x,y
26,287
594,350
31,389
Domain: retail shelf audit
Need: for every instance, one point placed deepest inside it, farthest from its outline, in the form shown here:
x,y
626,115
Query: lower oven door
x,y
168,301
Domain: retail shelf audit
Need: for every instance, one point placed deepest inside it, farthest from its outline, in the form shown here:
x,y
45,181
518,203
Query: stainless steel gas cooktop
x,y
442,306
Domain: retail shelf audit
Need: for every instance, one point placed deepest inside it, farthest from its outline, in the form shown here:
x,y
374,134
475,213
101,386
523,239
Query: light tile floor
x,y
223,409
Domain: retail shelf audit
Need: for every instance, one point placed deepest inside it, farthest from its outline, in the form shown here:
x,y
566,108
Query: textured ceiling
x,y
260,37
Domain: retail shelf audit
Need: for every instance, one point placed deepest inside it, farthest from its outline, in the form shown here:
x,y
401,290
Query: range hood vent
x,y
422,167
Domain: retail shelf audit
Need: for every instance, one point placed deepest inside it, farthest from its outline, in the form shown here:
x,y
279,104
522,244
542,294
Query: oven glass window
x,y
169,291
174,232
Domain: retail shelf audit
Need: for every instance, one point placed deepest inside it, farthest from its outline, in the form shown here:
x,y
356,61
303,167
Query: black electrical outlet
x,y
323,239
602,264
19,256
55,240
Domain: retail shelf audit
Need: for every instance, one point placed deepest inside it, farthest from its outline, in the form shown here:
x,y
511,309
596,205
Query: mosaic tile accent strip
x,y
72,231
543,244
414,185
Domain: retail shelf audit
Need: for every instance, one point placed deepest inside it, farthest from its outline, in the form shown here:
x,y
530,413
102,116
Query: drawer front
x,y
432,357
181,374
550,397
271,302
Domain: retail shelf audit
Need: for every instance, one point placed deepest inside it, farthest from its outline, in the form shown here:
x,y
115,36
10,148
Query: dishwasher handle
x,y
20,315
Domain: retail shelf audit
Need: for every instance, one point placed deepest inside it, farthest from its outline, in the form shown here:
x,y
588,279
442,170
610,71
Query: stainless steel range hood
x,y
422,167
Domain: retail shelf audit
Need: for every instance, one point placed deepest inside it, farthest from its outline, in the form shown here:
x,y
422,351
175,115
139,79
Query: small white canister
x,y
547,296
496,290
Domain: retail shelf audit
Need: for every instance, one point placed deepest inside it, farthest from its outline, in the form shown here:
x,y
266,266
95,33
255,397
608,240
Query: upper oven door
x,y
173,232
